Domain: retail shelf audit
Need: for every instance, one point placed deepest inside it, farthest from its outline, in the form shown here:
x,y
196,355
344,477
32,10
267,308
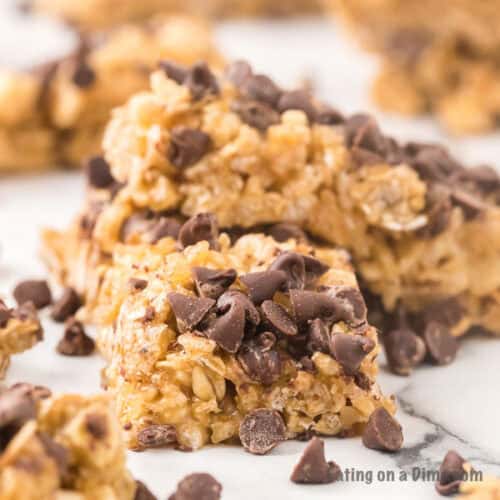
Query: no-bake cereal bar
x,y
56,114
438,57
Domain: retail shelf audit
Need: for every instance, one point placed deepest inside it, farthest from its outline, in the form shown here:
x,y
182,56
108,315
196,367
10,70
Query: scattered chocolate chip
x,y
174,71
442,347
471,205
35,291
187,146
17,406
362,131
350,350
142,492
351,306
293,265
262,89
432,162
201,81
484,176
314,269
277,319
237,72
75,341
451,474
300,100
5,314
37,392
449,312
383,432
313,468
98,172
83,75
157,436
256,114
259,360
327,115
263,285
199,486
96,425
66,306
137,284
308,305
286,231
212,283
201,227
439,209
189,311
404,350
261,430
319,337
164,227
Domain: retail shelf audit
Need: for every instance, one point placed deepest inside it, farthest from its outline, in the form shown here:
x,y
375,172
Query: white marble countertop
x,y
456,407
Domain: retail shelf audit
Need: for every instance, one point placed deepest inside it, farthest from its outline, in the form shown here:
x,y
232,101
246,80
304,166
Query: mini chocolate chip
x,y
187,146
189,311
237,72
174,71
96,425
319,337
263,285
314,269
308,305
137,284
262,89
383,432
404,350
449,312
37,392
433,162
75,341
35,291
259,361
164,227
277,319
313,468
293,265
471,205
98,172
350,350
484,176
201,227
351,305
83,75
300,100
442,347
261,430
16,407
327,115
362,157
212,283
439,209
197,486
286,231
451,474
26,311
142,492
201,81
362,131
157,436
66,306
256,114
5,314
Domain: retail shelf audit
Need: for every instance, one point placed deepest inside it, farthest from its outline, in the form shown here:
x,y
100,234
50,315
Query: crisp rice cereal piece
x,y
488,489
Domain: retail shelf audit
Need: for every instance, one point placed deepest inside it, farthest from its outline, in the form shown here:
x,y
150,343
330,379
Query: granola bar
x,y
20,329
422,228
440,57
67,446
56,114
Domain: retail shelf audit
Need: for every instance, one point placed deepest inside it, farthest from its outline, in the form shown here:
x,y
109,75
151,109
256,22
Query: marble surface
x,y
456,407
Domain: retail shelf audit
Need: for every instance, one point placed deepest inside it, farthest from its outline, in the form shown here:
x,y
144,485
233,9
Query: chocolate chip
x,y
286,231
263,285
259,361
277,319
262,89
308,305
135,226
442,347
433,162
75,341
201,81
16,407
212,283
314,269
201,227
300,100
187,146
5,314
293,265
362,131
98,172
96,425
189,311
313,468
142,492
261,430
439,209
451,474
37,392
157,436
327,115
484,176
256,114
66,306
35,291
174,71
137,284
383,432
164,227
471,205
350,303
237,72
350,350
83,75
404,350
449,312
197,486
319,337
